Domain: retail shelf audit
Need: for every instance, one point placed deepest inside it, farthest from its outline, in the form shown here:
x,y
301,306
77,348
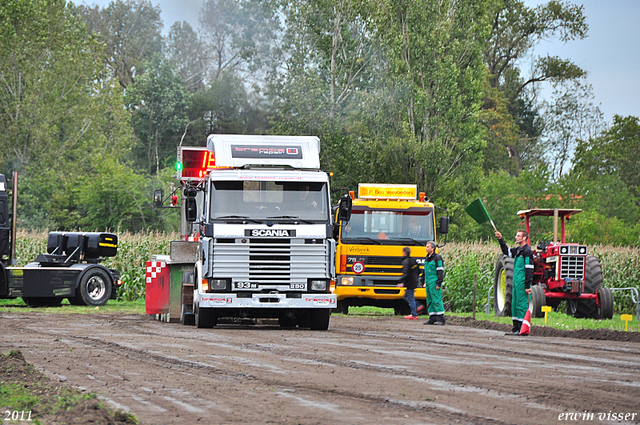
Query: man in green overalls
x,y
433,277
522,277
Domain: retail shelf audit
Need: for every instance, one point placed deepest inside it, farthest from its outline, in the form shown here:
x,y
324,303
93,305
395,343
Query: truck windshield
x,y
413,226
269,200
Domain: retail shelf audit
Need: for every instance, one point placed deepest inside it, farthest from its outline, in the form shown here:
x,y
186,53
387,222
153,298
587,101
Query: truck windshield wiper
x,y
238,217
410,239
290,217
362,240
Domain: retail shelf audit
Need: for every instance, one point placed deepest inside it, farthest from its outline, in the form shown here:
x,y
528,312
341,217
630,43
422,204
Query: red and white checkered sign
x,y
154,268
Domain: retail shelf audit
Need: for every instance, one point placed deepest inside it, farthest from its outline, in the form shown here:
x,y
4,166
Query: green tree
x,y
158,102
187,54
571,117
47,73
516,30
131,33
435,64
59,109
614,153
238,36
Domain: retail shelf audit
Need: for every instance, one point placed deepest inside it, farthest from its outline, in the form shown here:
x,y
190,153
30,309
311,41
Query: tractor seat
x,y
542,246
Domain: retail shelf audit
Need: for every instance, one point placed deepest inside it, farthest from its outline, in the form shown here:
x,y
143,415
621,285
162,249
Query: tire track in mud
x,y
456,385
242,361
188,367
195,368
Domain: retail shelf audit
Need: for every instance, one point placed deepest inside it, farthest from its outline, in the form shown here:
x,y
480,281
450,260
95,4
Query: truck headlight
x,y
346,280
318,285
218,284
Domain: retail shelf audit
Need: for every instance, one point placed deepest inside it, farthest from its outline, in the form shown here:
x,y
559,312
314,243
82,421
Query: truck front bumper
x,y
276,301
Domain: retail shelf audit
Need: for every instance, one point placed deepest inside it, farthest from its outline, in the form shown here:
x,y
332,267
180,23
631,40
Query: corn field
x,y
620,266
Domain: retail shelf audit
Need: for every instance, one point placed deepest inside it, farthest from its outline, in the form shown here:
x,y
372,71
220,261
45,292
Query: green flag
x,y
478,212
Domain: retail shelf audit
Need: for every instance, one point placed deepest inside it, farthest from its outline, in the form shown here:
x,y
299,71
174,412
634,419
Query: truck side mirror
x,y
157,198
190,205
344,209
444,225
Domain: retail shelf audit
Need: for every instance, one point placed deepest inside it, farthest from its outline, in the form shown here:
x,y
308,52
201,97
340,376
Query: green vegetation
x,y
112,307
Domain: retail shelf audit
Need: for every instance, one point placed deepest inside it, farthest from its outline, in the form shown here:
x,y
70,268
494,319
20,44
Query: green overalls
x,y
433,276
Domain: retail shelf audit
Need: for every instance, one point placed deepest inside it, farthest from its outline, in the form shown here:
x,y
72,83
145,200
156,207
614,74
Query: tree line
x,y
94,102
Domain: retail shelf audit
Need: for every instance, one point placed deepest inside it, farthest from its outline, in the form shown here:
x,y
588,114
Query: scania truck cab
x,y
258,214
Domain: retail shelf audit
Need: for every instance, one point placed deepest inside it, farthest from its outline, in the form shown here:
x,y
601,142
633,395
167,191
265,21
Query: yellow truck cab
x,y
384,219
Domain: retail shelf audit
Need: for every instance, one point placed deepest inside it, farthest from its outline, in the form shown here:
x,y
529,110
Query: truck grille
x,y
571,267
270,262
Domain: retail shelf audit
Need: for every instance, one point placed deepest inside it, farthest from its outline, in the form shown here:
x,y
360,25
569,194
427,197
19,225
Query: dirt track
x,y
363,370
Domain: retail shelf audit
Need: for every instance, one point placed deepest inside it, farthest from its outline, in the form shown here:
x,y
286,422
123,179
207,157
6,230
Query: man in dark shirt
x,y
409,279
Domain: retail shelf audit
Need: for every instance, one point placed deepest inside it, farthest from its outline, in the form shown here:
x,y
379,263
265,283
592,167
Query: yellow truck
x,y
384,219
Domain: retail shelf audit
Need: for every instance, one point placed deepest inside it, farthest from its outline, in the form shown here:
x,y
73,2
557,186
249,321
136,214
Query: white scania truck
x,y
256,235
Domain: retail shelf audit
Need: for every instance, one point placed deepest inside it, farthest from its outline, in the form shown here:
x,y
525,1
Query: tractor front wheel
x,y
605,296
503,286
538,300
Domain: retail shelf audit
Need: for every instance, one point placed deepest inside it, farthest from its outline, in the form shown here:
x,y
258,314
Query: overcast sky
x,y
610,53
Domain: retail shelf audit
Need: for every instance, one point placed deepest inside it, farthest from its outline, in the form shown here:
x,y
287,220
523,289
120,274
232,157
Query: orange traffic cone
x,y
526,323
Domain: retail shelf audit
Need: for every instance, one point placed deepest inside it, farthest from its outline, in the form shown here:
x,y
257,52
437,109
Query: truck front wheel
x,y
95,288
319,319
205,317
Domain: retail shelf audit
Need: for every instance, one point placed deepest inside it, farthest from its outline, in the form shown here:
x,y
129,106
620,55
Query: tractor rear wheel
x,y
592,282
605,296
503,286
538,300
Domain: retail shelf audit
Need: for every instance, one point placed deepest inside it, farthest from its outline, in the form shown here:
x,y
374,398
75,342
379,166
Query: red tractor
x,y
562,272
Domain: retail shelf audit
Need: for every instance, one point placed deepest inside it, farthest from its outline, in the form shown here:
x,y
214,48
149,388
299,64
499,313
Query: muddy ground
x,y
363,370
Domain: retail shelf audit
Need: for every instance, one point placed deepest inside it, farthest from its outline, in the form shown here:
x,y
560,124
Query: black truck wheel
x,y
592,282
42,301
205,317
342,307
538,300
288,321
319,319
503,286
95,287
605,296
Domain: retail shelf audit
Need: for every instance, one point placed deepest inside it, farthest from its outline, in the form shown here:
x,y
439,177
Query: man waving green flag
x,y
478,212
